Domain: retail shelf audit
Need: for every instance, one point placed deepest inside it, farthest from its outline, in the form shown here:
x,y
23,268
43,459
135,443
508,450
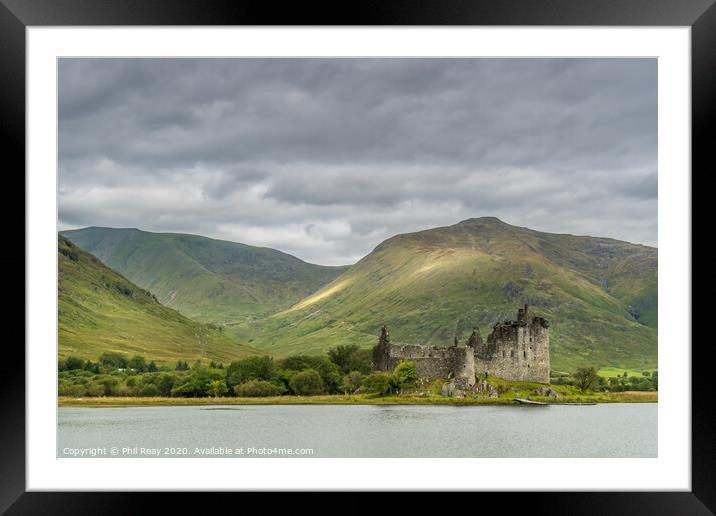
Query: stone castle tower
x,y
515,350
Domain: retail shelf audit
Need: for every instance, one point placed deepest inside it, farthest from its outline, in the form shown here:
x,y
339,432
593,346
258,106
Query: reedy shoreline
x,y
358,399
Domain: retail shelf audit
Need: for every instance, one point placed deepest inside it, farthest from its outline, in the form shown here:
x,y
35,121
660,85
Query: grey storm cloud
x,y
325,158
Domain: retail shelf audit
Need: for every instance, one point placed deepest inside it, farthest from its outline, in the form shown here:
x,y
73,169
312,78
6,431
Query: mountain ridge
x,y
429,286
432,285
101,311
207,279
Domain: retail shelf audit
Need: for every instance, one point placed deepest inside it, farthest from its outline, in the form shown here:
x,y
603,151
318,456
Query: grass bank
x,y
602,397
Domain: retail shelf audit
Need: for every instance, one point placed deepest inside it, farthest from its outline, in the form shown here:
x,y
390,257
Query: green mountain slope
x,y
99,311
599,294
205,279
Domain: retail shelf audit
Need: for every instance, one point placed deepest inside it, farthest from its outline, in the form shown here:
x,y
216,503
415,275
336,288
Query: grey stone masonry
x,y
515,350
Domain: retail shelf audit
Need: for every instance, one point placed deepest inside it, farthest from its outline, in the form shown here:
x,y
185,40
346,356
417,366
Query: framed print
x,y
410,250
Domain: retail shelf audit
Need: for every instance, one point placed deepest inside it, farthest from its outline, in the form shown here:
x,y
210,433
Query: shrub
x,y
377,382
94,389
71,389
352,382
149,390
187,389
257,388
307,383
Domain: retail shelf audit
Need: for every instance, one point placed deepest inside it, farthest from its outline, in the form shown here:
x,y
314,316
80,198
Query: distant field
x,y
611,372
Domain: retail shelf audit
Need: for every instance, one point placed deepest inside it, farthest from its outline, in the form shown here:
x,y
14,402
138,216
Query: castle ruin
x,y
515,350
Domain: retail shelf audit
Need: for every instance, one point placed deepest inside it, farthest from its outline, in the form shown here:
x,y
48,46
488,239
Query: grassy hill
x,y
205,279
99,311
599,294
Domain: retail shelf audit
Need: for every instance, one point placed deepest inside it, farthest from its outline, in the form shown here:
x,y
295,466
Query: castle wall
x,y
515,350
430,363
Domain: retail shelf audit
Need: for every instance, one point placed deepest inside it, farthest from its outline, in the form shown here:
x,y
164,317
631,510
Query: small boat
x,y
530,402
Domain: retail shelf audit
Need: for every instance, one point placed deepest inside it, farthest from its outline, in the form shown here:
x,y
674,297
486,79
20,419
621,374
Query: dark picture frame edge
x,y
17,15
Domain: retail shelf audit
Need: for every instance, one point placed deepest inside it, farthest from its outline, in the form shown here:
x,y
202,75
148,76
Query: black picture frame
x,y
17,15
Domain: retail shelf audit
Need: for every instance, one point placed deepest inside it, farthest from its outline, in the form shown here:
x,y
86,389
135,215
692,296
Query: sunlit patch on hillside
x,y
445,259
320,295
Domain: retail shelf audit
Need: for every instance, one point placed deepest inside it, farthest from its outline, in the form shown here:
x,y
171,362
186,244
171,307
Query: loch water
x,y
605,430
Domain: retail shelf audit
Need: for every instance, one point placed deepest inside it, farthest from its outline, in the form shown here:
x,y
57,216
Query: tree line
x,y
342,370
587,379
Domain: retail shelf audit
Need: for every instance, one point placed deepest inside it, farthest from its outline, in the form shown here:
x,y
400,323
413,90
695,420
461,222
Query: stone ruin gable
x,y
517,350
381,351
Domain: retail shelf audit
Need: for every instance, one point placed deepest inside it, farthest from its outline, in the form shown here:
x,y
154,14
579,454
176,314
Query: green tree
x,y
113,360
330,372
217,388
342,356
92,367
196,384
186,389
250,368
585,378
137,363
376,382
70,364
404,375
182,365
307,383
351,382
165,385
645,385
152,367
361,361
257,388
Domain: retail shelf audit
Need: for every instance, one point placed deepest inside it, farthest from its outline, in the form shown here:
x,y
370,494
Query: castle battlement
x,y
515,350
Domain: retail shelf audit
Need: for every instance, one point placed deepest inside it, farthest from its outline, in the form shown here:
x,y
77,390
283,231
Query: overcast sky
x,y
326,158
